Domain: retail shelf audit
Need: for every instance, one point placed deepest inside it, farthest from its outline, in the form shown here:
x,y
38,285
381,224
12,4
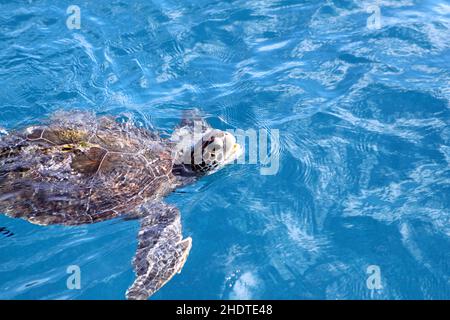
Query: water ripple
x,y
363,116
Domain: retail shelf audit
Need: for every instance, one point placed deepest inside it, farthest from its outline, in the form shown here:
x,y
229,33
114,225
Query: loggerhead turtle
x,y
78,168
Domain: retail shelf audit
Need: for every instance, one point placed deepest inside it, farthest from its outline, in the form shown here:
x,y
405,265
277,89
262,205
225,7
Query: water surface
x,y
363,115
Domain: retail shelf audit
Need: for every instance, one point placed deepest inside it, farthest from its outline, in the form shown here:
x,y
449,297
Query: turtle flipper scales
x,y
161,251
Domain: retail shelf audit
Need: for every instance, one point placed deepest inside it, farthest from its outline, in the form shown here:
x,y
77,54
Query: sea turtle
x,y
79,168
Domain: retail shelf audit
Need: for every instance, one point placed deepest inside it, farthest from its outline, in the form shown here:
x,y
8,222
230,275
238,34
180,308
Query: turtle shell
x,y
81,169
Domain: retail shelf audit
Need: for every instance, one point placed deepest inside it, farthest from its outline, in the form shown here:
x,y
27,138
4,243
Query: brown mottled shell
x,y
81,169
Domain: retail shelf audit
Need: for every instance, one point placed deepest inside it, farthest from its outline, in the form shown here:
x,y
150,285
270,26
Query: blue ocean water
x,y
363,114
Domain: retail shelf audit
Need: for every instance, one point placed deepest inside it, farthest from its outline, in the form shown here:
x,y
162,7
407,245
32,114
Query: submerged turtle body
x,y
79,169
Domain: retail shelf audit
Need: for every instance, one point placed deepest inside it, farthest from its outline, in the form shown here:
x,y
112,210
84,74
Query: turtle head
x,y
210,153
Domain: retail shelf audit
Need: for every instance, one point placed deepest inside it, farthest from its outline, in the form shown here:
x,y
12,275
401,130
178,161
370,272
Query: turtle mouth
x,y
235,152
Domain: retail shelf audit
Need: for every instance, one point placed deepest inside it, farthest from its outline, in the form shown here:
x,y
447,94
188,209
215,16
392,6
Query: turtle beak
x,y
235,151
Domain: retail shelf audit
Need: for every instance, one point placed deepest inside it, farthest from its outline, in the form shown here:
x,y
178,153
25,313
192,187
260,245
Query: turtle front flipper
x,y
161,251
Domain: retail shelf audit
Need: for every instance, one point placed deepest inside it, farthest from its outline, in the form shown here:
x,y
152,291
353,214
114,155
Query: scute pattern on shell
x,y
80,169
